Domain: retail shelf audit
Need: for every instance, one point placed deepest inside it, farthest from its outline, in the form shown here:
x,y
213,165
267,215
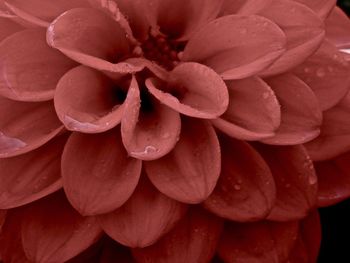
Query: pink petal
x,y
52,231
189,173
338,28
327,74
149,129
192,89
253,112
8,27
31,176
92,38
244,6
98,176
301,117
88,101
26,65
26,126
240,46
193,239
144,218
335,133
246,189
263,242
333,180
295,178
321,7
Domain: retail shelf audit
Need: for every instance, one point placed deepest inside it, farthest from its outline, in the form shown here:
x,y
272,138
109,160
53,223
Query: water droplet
x,y
320,73
165,135
306,70
287,185
312,179
237,187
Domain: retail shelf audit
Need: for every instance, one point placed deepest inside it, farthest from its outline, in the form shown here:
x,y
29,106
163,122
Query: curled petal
x,y
333,180
240,46
327,74
8,28
25,126
98,176
190,171
88,101
321,7
193,239
26,65
246,189
144,218
301,118
263,242
52,231
295,178
149,129
338,28
31,176
335,133
192,89
253,112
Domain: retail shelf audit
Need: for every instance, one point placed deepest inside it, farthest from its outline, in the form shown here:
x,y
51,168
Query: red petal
x,y
295,178
246,189
333,180
240,46
198,91
26,126
7,28
31,176
253,112
338,28
2,218
193,239
150,133
92,38
327,74
189,173
26,65
86,101
98,175
263,242
301,117
144,218
52,231
321,7
335,133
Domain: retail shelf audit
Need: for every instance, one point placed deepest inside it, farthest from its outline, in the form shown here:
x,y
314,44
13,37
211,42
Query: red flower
x,y
174,127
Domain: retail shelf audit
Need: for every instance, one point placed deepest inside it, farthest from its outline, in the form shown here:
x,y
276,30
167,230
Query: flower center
x,y
163,50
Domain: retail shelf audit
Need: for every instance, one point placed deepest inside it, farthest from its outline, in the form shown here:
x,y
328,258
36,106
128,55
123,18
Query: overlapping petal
x,y
28,177
149,129
338,28
253,112
190,171
25,126
26,65
321,7
8,28
240,46
98,176
144,218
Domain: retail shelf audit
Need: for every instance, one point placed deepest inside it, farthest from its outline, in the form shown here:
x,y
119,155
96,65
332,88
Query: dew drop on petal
x,y
237,187
320,73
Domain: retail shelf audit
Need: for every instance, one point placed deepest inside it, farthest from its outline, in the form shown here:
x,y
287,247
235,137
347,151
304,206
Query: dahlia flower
x,y
171,131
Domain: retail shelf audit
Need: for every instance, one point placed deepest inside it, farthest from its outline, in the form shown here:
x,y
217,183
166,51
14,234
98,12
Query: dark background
x,y
335,246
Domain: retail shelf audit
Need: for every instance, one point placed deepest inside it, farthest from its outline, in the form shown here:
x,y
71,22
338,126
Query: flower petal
x,y
263,242
338,28
149,129
189,173
192,89
253,112
31,176
335,133
240,46
88,101
144,218
8,27
26,126
333,180
52,231
321,7
327,74
92,38
193,239
301,117
98,179
26,65
2,218
295,178
246,189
